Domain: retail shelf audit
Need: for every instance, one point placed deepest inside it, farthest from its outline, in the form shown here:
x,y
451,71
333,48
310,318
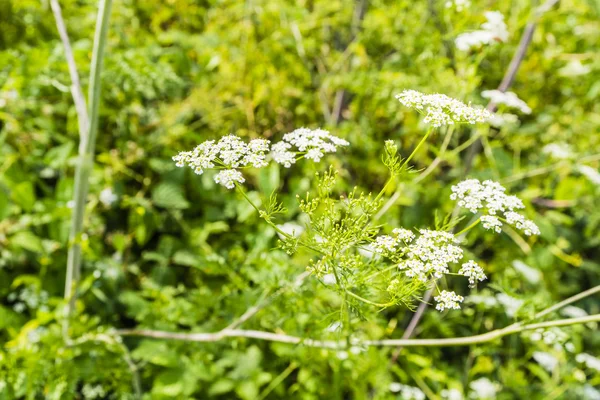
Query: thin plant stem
x,y
366,301
468,227
261,213
85,162
334,344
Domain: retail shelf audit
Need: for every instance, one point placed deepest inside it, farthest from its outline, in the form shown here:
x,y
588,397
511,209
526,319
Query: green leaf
x,y
23,194
169,195
28,241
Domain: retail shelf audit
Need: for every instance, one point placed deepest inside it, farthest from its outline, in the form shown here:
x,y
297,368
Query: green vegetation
x,y
164,250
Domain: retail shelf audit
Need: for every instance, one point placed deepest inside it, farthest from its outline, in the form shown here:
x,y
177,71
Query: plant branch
x,y
332,344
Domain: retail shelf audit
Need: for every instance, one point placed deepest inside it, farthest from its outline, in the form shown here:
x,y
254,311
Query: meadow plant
x,y
350,256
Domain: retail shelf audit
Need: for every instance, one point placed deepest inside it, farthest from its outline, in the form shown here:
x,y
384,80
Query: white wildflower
x,y
528,227
473,271
407,392
448,300
334,327
403,234
510,304
589,360
452,394
107,197
546,360
229,153
499,120
559,151
509,99
483,388
574,68
493,30
228,177
491,222
431,253
441,110
312,143
591,173
488,195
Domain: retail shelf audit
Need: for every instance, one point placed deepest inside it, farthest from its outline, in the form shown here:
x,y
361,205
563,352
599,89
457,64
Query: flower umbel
x,y
448,300
228,154
312,144
440,109
489,196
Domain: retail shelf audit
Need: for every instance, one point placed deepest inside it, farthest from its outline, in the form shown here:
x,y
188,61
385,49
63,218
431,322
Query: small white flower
x,y
493,30
589,360
452,394
107,197
441,110
559,151
473,271
509,99
491,222
407,392
546,360
342,355
228,177
499,120
489,195
313,144
483,388
448,300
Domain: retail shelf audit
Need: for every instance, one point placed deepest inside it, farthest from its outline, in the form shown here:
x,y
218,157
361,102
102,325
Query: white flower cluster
x,y
430,254
427,256
473,271
440,109
313,144
509,99
589,360
559,151
389,244
407,392
448,300
483,388
494,29
231,153
489,195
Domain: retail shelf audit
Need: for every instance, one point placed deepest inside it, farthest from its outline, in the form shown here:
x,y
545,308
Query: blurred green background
x,y
166,249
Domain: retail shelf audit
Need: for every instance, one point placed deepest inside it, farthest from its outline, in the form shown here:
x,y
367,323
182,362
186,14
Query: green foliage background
x,y
175,252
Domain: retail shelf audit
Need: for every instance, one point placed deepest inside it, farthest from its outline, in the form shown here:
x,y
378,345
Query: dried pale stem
x,y
334,344
85,162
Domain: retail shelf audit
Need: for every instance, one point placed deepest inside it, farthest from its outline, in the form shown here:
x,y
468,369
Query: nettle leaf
x,y
169,195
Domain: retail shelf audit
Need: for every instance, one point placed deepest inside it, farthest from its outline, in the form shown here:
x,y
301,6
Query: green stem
x,y
468,227
85,162
367,301
414,152
270,223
